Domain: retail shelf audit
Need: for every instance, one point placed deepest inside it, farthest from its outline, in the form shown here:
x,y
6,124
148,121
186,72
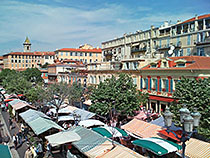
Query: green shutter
x,y
160,88
166,85
146,83
156,85
141,83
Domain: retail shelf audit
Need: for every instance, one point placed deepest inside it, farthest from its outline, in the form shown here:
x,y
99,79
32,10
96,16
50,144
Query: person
x,y
25,133
22,127
10,123
20,136
48,148
28,153
6,139
39,150
15,141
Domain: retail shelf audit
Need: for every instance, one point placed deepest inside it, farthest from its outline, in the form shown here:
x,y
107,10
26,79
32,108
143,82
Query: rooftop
x,y
95,50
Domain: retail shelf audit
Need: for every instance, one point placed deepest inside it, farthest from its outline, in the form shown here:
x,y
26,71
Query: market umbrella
x,y
91,122
62,138
110,132
157,145
5,151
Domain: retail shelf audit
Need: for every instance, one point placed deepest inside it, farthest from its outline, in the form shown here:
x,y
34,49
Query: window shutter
x,y
146,83
160,88
166,85
171,85
150,83
156,85
141,83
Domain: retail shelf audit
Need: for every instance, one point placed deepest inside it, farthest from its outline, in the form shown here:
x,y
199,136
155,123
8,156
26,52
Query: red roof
x,y
171,135
30,53
1,57
199,18
95,50
161,98
192,63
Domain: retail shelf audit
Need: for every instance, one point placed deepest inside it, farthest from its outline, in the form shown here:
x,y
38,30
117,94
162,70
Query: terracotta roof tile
x,y
95,50
192,62
199,18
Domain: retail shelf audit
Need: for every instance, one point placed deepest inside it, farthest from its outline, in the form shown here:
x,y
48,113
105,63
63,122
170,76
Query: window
x,y
181,65
66,53
81,54
177,41
153,65
71,53
85,60
85,53
135,81
26,61
61,53
75,53
90,54
12,61
159,43
189,40
26,65
96,54
19,65
188,51
90,60
46,57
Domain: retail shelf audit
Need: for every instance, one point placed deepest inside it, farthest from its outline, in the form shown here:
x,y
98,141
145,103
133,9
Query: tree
x,y
36,96
76,92
57,93
6,72
16,83
33,75
115,95
195,94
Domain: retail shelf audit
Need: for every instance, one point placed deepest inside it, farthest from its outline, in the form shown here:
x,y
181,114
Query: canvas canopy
x,y
62,138
31,115
14,101
65,118
121,151
197,149
21,105
110,132
84,114
91,122
41,125
157,145
5,151
142,129
63,110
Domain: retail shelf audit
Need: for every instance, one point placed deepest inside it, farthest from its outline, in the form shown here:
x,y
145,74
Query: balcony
x,y
162,47
133,50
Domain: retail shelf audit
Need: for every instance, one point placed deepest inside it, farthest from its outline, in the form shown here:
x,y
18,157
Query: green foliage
x,y
76,92
45,65
33,75
5,73
195,94
115,93
35,95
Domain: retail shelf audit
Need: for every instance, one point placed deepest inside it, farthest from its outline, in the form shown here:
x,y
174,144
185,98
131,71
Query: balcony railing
x,y
138,49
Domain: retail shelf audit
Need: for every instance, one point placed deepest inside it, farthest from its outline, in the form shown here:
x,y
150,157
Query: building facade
x,y
85,54
27,59
168,40
68,71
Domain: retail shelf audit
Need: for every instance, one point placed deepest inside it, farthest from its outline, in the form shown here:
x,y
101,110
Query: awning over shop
x,y
41,125
62,138
31,115
121,151
21,105
65,118
142,128
159,98
91,122
110,132
157,145
89,139
14,101
100,149
84,114
160,122
172,134
65,110
197,149
5,151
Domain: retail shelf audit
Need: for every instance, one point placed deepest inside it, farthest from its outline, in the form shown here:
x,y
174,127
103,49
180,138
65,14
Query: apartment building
x,y
68,71
27,59
85,53
135,50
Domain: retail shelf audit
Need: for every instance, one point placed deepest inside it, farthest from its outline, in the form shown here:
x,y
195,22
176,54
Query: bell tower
x,y
27,45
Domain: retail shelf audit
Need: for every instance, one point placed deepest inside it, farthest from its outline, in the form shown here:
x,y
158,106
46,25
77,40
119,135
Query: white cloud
x,y
54,27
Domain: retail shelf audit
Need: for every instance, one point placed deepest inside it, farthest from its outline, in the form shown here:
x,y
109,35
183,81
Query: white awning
x,y
91,122
62,138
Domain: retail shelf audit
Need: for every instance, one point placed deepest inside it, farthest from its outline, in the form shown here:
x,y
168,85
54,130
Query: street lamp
x,y
187,120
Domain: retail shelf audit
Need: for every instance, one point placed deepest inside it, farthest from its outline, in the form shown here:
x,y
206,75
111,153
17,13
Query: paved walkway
x,y
20,151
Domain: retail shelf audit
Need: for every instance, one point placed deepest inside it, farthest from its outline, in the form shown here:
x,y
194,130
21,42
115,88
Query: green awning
x,y
110,132
5,151
157,145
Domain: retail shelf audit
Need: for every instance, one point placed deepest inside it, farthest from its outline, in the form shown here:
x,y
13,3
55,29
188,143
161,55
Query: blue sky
x,y
52,24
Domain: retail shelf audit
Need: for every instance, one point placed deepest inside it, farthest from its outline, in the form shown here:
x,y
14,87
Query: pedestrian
x,y
28,153
15,141
48,148
25,133
6,139
39,150
20,136
10,123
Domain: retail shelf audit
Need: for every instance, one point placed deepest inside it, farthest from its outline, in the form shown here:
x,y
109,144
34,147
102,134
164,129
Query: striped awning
x,y
157,145
197,149
110,132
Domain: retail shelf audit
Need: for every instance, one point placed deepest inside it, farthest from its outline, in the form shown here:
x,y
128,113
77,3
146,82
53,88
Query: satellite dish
x,y
170,52
172,47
